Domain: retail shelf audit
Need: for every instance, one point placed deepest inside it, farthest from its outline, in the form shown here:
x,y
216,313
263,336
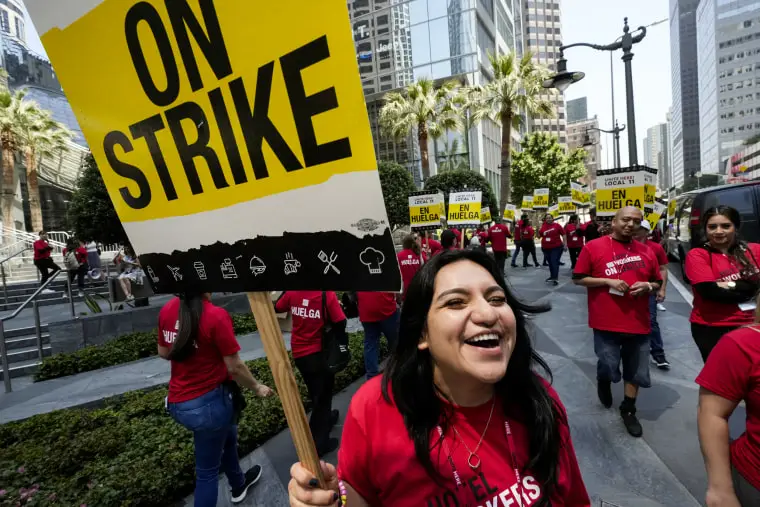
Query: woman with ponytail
x,y
197,337
725,277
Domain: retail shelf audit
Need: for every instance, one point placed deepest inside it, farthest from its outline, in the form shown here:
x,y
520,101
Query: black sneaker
x,y
331,445
252,476
514,265
661,362
538,266
549,280
632,424
555,282
604,391
334,416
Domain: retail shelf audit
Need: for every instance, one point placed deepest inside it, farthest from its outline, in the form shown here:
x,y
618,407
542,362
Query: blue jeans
x,y
372,331
210,417
655,337
554,255
632,349
514,255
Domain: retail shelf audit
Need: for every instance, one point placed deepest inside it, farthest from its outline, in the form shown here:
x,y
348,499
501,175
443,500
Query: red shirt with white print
x,y
527,232
733,372
377,458
703,265
551,235
497,235
204,370
630,261
574,236
305,306
409,263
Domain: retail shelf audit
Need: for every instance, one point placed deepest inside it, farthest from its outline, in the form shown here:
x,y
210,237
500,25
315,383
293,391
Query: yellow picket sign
x,y
566,205
509,213
424,211
672,209
541,198
527,203
554,211
485,215
576,192
464,208
618,190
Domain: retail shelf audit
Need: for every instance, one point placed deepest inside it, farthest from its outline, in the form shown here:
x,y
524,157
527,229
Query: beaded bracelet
x,y
343,493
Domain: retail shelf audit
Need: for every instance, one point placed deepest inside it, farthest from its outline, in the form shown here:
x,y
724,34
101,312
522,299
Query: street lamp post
x,y
563,78
616,132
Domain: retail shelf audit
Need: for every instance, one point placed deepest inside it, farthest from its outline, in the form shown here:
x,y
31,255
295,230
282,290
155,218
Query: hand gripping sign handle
x,y
285,381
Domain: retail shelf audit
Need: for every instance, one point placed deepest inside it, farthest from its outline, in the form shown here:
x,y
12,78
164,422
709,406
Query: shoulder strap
x,y
753,328
325,316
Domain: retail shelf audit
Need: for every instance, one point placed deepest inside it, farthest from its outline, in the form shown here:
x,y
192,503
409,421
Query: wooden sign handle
x,y
285,381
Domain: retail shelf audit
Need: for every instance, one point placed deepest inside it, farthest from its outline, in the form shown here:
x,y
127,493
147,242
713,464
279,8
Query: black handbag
x,y
239,403
334,342
350,305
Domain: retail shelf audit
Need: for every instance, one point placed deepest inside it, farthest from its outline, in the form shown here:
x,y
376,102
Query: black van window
x,y
740,198
683,214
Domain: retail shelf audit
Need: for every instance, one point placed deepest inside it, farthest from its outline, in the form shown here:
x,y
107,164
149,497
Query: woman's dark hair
x,y
409,377
573,218
737,248
410,243
448,238
190,311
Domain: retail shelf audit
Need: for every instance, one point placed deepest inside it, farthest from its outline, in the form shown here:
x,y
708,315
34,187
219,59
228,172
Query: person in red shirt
x,y
378,314
517,238
430,246
553,244
724,275
574,237
728,378
448,241
206,368
497,235
620,274
43,261
410,260
528,242
79,253
309,310
459,413
656,346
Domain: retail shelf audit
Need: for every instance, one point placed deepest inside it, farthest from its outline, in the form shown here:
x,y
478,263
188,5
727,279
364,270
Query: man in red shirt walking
x,y
497,235
655,338
620,274
378,314
43,261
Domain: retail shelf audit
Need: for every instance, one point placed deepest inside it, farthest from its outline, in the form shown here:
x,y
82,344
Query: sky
x,y
651,64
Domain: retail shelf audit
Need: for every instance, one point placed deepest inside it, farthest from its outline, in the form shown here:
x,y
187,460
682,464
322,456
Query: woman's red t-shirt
x,y
305,307
527,233
377,459
574,236
703,265
733,372
551,235
204,370
376,306
430,247
409,263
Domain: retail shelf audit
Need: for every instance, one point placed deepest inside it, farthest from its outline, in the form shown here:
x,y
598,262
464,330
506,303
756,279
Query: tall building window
x,y
4,23
19,28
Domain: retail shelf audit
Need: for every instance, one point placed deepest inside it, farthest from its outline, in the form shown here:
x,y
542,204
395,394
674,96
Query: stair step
x,y
23,332
21,369
26,341
56,300
27,354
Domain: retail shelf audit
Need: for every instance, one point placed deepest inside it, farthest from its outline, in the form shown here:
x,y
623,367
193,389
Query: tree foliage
x,y
452,181
397,184
542,163
515,88
91,214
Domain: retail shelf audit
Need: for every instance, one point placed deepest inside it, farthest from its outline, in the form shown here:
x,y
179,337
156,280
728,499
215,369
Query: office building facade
x,y
728,36
398,42
657,154
543,38
585,134
577,110
684,77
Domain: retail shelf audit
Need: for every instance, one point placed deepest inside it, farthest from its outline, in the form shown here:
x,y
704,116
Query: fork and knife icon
x,y
329,261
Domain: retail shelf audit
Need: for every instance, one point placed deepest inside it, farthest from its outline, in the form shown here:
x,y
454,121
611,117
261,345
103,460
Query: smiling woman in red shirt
x,y
197,337
575,238
725,276
729,377
310,309
448,423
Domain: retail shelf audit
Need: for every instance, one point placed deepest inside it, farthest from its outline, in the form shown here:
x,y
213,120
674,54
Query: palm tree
x,y
515,88
15,112
422,107
42,136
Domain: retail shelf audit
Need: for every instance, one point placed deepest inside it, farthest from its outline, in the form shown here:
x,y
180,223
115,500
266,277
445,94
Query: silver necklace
x,y
473,459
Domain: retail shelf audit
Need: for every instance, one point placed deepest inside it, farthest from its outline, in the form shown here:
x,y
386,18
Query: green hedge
x,y
130,452
125,348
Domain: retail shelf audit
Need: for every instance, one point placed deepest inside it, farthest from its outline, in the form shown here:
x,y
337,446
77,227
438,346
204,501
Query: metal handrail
x,y
5,318
2,271
17,253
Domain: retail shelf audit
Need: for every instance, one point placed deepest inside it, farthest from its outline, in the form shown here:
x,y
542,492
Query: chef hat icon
x,y
372,258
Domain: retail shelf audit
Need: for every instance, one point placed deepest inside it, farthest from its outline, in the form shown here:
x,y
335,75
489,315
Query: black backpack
x,y
334,342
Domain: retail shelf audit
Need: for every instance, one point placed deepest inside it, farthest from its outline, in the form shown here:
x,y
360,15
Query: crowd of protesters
x,y
459,409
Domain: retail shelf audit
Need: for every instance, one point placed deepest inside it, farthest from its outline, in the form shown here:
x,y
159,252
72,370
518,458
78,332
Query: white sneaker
x,y
130,298
47,291
661,307
80,293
